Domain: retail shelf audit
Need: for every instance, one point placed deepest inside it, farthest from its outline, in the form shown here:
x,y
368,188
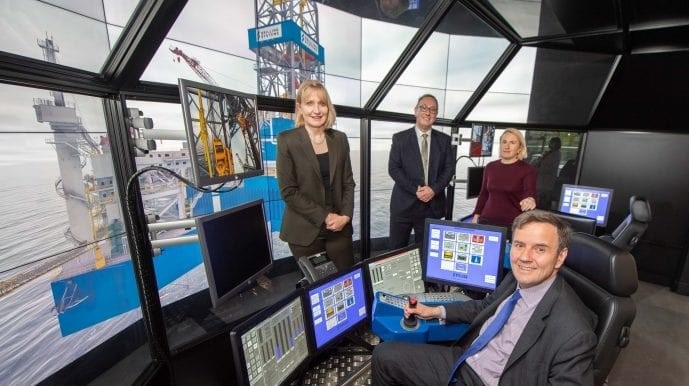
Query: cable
x,y
186,181
141,240
467,157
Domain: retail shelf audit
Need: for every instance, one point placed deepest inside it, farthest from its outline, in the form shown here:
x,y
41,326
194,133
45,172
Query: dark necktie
x,y
424,157
493,328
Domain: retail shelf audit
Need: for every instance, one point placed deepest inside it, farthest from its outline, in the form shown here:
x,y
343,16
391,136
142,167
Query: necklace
x,y
320,142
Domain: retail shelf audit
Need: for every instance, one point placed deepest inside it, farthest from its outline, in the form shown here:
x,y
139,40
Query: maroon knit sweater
x,y
503,187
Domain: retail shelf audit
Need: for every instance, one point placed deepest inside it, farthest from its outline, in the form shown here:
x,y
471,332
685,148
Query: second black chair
x,y
604,276
628,233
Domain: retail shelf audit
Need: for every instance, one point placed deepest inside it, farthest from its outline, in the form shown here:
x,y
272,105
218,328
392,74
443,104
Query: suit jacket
x,y
301,186
557,344
406,169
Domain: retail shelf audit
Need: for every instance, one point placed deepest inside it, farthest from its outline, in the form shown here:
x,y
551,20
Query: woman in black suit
x,y
315,178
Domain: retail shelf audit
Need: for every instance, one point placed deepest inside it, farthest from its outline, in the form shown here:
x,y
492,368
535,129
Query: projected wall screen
x,y
222,131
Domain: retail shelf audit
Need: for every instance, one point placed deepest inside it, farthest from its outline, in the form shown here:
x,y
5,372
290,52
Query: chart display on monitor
x,y
586,201
462,254
481,144
397,272
222,131
336,306
272,345
236,248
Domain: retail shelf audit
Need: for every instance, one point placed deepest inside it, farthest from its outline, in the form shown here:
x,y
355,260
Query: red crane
x,y
194,64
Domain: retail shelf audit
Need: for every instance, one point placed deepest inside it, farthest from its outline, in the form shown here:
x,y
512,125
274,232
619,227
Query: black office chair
x,y
604,276
628,233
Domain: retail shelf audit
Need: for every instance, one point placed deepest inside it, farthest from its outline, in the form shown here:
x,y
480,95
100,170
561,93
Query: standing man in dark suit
x,y
422,165
547,338
315,177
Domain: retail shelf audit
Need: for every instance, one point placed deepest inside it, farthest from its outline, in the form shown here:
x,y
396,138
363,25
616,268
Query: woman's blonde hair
x,y
522,142
308,86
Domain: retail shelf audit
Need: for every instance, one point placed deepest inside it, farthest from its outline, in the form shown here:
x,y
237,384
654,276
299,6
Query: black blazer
x,y
406,169
558,342
301,186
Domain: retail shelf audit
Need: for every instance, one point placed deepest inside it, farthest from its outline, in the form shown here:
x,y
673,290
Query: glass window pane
x,y
507,100
344,91
92,9
545,86
381,44
556,155
381,183
78,41
118,12
203,46
429,67
450,65
178,60
65,259
403,99
470,59
340,34
547,18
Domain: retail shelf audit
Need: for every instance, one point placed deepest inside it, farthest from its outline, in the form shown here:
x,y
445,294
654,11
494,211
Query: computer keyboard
x,y
340,369
364,377
439,297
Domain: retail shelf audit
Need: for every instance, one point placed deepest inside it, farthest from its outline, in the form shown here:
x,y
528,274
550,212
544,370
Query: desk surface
x,y
194,319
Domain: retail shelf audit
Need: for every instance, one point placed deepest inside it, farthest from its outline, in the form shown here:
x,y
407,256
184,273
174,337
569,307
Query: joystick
x,y
411,322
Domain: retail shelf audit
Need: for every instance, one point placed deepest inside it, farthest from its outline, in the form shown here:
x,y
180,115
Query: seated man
x,y
547,338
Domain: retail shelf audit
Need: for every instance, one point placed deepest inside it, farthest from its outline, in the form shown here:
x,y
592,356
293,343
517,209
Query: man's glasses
x,y
426,109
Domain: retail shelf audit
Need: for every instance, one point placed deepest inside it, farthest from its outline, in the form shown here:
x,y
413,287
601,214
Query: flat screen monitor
x,y
586,201
481,144
474,181
397,272
337,305
466,255
271,346
236,248
222,131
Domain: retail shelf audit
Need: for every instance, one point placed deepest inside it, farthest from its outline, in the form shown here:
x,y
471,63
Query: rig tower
x,y
286,44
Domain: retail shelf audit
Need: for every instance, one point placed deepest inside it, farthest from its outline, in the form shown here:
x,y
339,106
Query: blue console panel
x,y
388,323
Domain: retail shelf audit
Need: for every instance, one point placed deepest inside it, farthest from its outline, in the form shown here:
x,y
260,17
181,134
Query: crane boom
x,y
194,64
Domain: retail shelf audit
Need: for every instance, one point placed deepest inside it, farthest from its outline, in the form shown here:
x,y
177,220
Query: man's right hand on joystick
x,y
411,321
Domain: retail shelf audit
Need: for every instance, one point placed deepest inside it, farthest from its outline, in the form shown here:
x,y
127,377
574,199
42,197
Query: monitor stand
x,y
261,295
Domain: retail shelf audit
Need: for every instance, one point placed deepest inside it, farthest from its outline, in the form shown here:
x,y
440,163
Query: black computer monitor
x,y
222,131
396,272
236,248
463,254
586,201
474,181
271,346
336,306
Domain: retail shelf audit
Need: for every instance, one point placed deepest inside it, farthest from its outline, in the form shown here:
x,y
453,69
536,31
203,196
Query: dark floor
x,y
658,351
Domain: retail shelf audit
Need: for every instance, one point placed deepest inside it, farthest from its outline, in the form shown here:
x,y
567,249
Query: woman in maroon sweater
x,y
509,184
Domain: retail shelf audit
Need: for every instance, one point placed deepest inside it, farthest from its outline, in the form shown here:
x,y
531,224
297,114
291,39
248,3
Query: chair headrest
x,y
606,265
640,209
577,222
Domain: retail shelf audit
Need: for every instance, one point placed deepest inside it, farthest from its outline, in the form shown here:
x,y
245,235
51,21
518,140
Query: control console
x,y
390,325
